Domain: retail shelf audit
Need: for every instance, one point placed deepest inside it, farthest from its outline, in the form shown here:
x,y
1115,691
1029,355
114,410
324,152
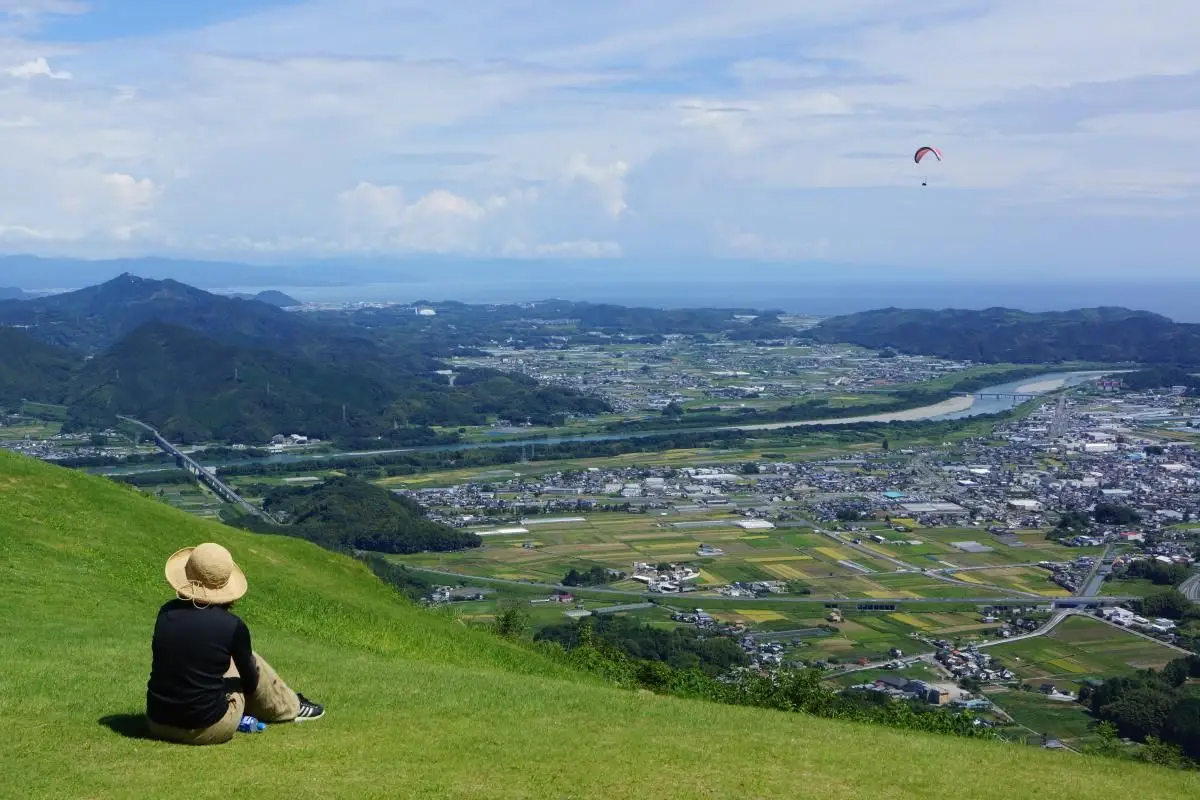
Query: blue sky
x,y
772,131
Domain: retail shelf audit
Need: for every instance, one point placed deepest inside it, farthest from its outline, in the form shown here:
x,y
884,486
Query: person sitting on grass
x,y
204,674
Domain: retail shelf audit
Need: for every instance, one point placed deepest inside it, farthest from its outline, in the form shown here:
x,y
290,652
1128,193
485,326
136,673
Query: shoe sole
x,y
309,719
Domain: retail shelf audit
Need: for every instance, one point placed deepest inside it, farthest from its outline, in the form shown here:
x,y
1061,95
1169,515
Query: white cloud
x,y
768,129
607,179
36,68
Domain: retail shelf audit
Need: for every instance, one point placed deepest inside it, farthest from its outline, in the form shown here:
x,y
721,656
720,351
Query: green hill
x,y
1003,334
419,705
31,369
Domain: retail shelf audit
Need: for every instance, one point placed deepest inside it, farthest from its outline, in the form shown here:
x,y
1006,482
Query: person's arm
x,y
243,658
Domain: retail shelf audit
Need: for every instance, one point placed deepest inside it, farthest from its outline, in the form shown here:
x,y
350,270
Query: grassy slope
x,y
419,706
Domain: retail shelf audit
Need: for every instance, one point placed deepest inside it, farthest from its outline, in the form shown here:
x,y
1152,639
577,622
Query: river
x,y
953,408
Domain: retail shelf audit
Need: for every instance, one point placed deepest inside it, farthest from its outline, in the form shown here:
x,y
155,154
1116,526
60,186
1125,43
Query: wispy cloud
x,y
38,68
774,130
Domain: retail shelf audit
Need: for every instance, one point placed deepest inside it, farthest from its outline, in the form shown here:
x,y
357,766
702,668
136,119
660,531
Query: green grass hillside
x,y
419,706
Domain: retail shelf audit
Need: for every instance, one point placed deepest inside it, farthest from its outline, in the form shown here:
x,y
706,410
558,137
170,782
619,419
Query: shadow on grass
x,y
131,726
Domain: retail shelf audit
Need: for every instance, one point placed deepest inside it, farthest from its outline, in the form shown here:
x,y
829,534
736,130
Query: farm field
x,y
29,429
1130,587
936,548
191,498
1078,649
1058,719
548,548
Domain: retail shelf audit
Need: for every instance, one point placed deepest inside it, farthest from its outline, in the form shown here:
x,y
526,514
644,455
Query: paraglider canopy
x,y
924,151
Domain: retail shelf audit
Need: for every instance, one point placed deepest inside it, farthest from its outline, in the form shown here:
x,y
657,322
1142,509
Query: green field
x,y
618,540
28,429
794,555
1057,719
419,706
1078,649
190,497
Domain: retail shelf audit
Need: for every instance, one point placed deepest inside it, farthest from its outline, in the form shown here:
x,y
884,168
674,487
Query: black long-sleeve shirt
x,y
192,649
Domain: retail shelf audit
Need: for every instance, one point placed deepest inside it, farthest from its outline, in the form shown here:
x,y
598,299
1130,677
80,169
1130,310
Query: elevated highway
x,y
209,479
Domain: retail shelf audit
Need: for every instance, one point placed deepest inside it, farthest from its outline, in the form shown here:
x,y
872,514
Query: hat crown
x,y
210,565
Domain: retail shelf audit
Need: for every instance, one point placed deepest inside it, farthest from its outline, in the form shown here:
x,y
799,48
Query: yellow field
x,y
1067,665
966,576
760,615
765,559
783,571
756,536
886,593
635,537
711,577
836,553
908,619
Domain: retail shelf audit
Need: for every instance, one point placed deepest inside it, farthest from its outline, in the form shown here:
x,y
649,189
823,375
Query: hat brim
x,y
176,572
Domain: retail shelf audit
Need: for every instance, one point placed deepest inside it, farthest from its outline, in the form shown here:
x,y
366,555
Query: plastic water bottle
x,y
251,725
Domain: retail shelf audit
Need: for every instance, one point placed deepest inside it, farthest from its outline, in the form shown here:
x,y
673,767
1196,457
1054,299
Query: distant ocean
x,y
1177,300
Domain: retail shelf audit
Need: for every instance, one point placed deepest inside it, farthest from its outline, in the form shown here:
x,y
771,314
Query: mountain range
x,y
201,366
1107,334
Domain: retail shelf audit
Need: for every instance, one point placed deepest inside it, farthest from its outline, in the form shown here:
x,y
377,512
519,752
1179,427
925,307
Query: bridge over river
x,y
206,477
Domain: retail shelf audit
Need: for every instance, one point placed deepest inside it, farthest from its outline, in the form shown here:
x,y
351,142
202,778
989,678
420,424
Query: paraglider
x,y
922,152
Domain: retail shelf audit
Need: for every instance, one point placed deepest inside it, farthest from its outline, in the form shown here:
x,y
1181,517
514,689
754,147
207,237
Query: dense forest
x,y
348,514
32,370
1162,377
1108,335
679,648
1152,704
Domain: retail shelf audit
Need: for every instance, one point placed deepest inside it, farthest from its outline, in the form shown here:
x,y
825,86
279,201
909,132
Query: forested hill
x,y
195,389
92,319
343,513
201,367
1005,335
32,370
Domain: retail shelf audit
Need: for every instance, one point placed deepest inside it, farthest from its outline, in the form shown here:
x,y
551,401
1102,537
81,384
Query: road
x,y
1050,625
772,599
1191,588
219,487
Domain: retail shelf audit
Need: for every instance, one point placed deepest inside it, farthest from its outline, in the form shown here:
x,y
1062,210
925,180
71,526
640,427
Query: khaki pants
x,y
272,701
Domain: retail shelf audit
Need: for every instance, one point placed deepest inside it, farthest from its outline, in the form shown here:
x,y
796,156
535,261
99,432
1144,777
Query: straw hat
x,y
205,574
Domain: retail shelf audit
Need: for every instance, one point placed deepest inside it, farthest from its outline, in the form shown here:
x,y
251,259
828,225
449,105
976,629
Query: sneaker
x,y
309,710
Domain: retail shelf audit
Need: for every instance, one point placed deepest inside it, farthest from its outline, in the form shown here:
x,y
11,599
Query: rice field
x,y
1078,649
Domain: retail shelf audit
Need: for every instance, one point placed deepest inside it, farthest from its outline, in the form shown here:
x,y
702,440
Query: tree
x,y
750,468
1170,603
1155,450
1140,713
1074,520
511,620
885,445
1113,514
1183,726
673,409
